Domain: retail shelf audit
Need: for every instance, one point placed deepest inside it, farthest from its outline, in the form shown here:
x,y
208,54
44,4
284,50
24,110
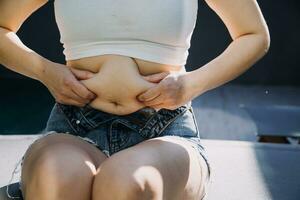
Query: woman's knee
x,y
57,165
64,163
118,181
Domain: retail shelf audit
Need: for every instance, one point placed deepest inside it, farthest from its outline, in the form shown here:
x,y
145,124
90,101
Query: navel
x,y
115,103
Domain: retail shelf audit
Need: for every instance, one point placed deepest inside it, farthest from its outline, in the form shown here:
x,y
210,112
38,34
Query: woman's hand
x,y
172,91
62,83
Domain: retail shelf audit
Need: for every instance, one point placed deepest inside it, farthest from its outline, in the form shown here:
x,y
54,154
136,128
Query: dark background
x,y
210,38
25,104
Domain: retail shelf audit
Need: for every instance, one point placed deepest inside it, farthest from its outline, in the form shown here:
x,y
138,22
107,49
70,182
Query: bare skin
x,y
117,80
87,81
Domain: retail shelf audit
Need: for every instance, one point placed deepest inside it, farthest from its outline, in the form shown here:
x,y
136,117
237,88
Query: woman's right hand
x,y
63,84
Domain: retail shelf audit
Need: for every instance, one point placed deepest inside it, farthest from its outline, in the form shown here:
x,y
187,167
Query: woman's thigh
x,y
163,167
147,124
65,152
185,128
168,142
60,121
63,132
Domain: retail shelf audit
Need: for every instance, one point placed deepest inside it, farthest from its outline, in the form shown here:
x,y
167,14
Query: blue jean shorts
x,y
111,133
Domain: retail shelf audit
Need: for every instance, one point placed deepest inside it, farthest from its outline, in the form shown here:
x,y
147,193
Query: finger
x,y
82,74
156,77
70,101
156,101
72,95
82,91
150,94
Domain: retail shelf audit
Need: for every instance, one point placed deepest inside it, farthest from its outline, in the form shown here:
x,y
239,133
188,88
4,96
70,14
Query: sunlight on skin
x,y
18,42
91,166
149,171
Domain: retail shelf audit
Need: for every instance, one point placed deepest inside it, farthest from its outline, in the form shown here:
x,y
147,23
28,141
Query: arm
x,y
13,53
251,41
17,57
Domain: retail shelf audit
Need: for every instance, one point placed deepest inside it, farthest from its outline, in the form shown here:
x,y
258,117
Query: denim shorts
x,y
111,133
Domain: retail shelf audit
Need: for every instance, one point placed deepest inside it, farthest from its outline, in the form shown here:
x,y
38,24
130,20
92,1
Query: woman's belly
x,y
117,81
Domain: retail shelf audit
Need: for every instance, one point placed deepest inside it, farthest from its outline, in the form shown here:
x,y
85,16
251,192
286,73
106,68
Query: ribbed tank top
x,y
154,30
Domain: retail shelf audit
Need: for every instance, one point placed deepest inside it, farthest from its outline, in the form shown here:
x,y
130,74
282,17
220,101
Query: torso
x,y
118,81
156,31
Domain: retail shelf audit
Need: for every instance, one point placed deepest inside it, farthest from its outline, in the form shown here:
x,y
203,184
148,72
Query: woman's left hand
x,y
172,91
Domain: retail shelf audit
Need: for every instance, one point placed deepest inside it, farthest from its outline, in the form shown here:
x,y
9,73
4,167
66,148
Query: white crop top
x,y
154,30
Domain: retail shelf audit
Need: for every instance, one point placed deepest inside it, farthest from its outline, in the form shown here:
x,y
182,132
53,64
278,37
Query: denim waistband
x,y
150,123
146,121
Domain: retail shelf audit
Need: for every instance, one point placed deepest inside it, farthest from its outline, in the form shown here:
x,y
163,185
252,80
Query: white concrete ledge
x,y
240,169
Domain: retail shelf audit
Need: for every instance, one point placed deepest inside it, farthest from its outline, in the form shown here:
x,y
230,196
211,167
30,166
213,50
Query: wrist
x,y
41,72
196,83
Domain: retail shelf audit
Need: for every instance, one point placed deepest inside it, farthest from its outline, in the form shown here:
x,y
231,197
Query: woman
x,y
123,126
